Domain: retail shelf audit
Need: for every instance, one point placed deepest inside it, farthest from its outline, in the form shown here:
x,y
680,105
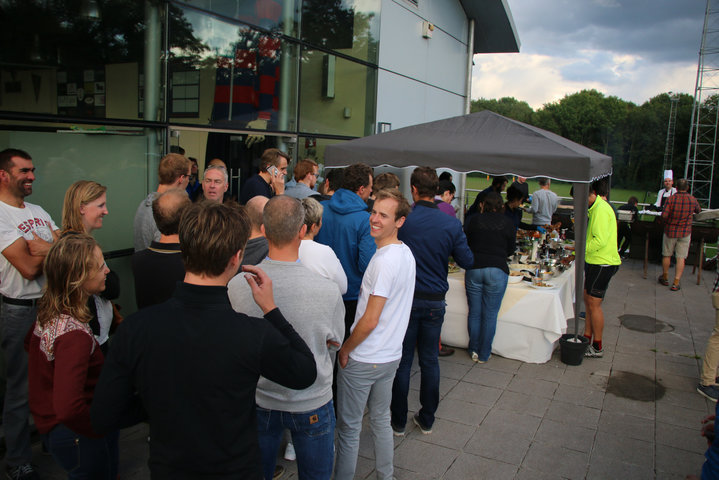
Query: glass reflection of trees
x,y
65,33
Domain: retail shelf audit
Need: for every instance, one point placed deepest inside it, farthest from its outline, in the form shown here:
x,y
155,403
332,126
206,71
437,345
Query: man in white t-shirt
x,y
370,356
26,234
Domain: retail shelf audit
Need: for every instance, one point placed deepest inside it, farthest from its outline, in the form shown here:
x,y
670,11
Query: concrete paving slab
x,y
424,458
602,468
473,466
531,474
455,371
532,386
624,449
675,415
508,447
501,422
581,396
679,437
631,407
461,412
545,457
570,436
573,414
542,371
672,461
490,378
523,403
629,426
445,434
502,364
473,393
687,399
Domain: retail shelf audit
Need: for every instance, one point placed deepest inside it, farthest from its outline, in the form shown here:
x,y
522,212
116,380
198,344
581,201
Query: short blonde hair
x,y
80,193
313,212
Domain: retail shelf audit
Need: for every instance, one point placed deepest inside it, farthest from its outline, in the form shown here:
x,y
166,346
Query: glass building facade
x,y
101,90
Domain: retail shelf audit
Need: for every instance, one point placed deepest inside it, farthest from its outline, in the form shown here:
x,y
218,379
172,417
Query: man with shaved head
x,y
312,304
256,249
158,268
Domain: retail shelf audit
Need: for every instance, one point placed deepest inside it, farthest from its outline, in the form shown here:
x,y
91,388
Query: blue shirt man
x,y
433,236
346,229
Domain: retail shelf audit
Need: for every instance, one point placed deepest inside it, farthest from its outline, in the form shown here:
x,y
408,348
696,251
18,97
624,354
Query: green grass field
x,y
480,182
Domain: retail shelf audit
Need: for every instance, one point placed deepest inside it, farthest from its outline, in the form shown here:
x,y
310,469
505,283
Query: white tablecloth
x,y
530,320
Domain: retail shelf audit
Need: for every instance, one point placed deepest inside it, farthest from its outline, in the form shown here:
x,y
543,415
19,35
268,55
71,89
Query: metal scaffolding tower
x,y
671,127
699,168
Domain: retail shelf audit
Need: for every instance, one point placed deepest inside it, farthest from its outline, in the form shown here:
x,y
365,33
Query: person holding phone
x,y
270,181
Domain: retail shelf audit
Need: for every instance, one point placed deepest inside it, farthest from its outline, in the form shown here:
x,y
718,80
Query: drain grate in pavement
x,y
644,323
635,387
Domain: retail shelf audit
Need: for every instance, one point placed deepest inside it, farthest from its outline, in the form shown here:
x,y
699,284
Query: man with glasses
x,y
26,233
306,178
174,171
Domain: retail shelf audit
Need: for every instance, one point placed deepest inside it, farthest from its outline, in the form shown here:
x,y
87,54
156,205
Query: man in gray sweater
x,y
313,305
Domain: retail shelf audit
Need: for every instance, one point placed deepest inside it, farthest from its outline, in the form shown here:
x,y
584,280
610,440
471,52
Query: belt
x,y
25,302
429,296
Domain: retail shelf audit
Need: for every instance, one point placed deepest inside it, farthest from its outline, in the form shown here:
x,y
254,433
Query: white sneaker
x,y
593,352
290,454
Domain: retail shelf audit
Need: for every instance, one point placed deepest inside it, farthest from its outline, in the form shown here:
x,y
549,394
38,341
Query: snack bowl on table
x,y
517,267
515,277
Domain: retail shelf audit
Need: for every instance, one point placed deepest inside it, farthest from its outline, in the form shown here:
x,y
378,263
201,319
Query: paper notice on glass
x,y
66,101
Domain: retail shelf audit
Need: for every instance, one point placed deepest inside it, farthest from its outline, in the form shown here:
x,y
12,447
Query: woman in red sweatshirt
x,y
65,360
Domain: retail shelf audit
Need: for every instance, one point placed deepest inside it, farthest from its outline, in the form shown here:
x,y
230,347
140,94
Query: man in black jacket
x,y
190,366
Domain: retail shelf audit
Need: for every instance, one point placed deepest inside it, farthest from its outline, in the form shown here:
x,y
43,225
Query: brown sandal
x,y
663,280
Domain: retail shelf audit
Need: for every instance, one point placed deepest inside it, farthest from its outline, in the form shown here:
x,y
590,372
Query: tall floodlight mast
x,y
671,127
699,168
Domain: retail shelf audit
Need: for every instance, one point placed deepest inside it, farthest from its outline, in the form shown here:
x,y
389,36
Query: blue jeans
x,y
485,290
84,458
16,321
423,330
313,435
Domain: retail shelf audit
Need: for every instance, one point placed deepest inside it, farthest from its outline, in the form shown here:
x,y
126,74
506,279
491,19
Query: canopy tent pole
x,y
581,204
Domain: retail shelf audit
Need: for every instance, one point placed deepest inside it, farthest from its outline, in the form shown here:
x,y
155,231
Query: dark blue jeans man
x,y
425,326
313,434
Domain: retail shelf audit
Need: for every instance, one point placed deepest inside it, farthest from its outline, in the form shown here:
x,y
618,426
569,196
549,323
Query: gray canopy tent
x,y
489,143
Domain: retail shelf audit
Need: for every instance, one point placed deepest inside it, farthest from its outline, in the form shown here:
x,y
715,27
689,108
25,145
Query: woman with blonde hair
x,y
83,210
84,207
64,360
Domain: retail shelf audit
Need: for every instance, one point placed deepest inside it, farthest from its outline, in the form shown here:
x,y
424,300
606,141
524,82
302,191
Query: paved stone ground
x,y
509,419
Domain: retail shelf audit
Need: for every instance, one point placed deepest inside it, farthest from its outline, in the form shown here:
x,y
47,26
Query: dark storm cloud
x,y
659,31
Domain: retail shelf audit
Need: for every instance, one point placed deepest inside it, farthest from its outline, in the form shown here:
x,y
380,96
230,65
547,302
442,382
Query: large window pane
x,y
79,59
337,96
237,77
125,160
348,26
275,15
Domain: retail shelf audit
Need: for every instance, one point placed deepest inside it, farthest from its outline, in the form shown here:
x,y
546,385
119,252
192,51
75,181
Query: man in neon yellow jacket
x,y
601,263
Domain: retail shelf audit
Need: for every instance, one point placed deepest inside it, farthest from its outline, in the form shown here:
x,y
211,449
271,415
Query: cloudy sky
x,y
632,49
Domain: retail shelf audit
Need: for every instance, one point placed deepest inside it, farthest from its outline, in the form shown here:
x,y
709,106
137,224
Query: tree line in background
x,y
633,135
